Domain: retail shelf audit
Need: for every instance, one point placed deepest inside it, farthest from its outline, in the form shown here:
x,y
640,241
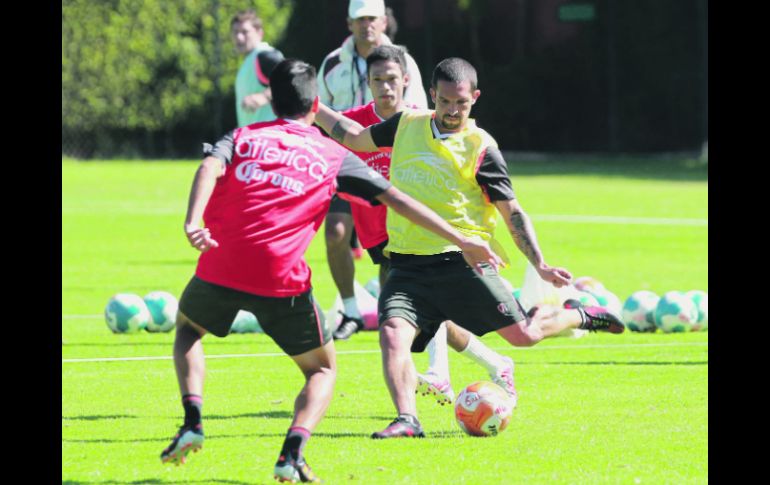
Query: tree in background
x,y
134,71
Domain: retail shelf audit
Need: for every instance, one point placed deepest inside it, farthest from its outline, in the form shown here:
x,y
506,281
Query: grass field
x,y
602,409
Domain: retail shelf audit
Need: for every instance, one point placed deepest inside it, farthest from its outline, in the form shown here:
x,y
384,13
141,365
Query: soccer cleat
x,y
431,384
596,318
404,426
187,439
348,326
503,377
293,470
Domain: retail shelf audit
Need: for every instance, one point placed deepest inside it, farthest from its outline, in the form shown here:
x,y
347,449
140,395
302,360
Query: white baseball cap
x,y
366,8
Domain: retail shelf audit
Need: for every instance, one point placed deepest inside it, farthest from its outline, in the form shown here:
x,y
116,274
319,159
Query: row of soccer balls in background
x,y
643,311
156,312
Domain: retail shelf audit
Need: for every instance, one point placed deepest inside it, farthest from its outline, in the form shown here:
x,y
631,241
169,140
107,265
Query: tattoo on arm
x,y
340,129
524,236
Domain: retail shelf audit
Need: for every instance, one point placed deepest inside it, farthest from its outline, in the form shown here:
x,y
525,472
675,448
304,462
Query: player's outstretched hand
x,y
200,238
558,277
478,252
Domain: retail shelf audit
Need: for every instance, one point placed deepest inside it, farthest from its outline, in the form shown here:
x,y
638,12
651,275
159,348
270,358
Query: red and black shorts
x,y
295,323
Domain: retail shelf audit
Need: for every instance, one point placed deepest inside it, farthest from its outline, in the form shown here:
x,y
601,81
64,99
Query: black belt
x,y
430,259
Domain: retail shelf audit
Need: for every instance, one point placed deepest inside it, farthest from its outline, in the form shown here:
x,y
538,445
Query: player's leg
x,y
499,367
396,336
545,321
435,381
338,230
298,326
202,308
320,370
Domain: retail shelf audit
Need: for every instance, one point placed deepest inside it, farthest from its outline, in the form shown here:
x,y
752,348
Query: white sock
x,y
438,360
483,355
350,307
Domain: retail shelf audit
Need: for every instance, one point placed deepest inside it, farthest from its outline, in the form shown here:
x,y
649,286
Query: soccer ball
x,y
675,312
126,313
483,409
639,311
245,322
162,306
701,300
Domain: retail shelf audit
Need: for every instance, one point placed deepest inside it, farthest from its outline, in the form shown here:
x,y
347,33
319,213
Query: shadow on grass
x,y
98,417
213,437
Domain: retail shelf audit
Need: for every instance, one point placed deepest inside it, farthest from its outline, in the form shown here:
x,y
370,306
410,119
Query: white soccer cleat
x,y
503,377
431,384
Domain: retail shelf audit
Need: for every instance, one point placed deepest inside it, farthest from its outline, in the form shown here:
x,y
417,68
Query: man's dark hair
x,y
294,88
393,53
247,15
454,70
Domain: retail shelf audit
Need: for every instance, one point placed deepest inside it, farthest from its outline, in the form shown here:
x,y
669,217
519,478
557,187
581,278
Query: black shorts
x,y
295,323
427,290
375,252
339,205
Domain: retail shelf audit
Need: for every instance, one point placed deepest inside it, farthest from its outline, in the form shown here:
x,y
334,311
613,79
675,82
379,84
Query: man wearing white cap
x,y
342,85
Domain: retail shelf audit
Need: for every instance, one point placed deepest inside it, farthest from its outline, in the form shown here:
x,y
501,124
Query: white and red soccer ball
x,y
483,409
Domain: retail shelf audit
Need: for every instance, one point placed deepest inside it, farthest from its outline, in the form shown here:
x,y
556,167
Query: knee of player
x,y
391,334
334,234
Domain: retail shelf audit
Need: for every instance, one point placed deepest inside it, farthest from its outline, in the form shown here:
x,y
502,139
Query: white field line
x,y
351,352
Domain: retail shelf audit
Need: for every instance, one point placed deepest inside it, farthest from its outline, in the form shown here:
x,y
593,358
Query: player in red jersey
x,y
388,78
263,191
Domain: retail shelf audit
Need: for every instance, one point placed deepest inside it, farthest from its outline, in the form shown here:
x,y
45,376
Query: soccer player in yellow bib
x,y
441,158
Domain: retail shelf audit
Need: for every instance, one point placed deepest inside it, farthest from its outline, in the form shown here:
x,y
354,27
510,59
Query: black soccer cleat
x,y
404,426
596,318
187,439
348,327
290,469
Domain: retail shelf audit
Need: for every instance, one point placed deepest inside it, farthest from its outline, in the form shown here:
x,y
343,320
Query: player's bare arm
x,y
344,130
210,169
523,234
475,252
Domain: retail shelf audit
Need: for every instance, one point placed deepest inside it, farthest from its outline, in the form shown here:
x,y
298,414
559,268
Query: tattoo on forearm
x,y
340,129
524,235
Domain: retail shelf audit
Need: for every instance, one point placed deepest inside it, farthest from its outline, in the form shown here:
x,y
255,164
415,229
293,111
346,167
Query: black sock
x,y
294,443
192,404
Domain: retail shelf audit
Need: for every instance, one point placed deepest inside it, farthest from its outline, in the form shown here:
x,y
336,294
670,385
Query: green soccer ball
x,y
675,312
701,301
162,306
245,322
639,311
126,313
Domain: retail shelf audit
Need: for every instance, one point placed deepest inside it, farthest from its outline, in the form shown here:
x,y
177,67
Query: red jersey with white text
x,y
370,221
264,211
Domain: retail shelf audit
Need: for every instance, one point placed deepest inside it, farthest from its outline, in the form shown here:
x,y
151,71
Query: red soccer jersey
x,y
266,208
370,221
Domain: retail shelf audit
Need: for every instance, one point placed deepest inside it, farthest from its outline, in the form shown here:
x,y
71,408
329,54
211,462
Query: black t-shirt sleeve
x,y
359,180
493,177
268,60
223,149
384,134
